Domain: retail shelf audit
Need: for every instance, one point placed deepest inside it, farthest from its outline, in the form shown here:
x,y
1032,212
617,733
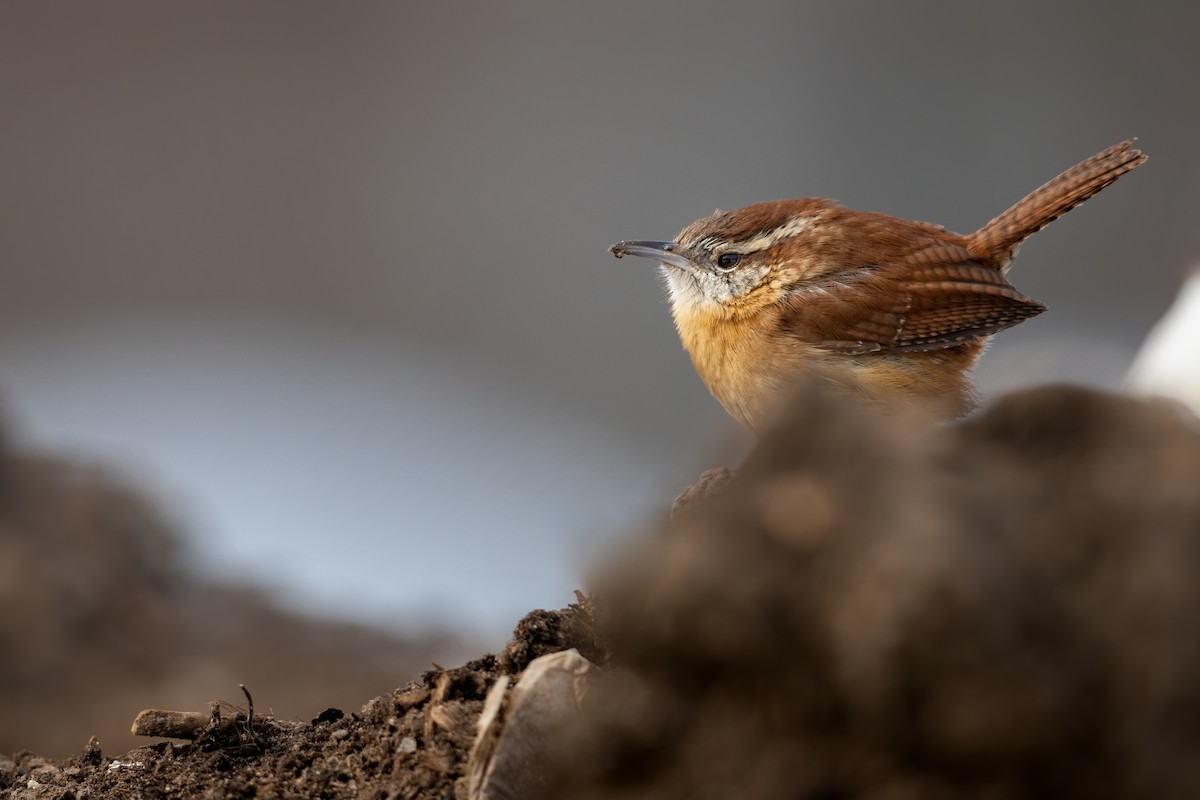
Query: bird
x,y
891,311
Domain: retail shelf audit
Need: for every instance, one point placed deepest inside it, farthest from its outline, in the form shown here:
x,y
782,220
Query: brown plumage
x,y
887,308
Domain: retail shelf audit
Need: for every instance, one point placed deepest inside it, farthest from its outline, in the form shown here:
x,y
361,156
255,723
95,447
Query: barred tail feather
x,y
995,242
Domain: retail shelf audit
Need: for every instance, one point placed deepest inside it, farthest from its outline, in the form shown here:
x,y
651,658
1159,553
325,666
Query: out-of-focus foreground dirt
x,y
1005,607
873,608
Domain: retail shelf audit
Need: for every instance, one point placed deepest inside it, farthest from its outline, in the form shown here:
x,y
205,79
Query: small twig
x,y
249,709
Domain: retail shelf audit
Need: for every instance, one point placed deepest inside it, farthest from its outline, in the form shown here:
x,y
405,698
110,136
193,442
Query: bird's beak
x,y
666,252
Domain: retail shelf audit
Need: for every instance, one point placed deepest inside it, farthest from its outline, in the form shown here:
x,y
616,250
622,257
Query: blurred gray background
x,y
331,280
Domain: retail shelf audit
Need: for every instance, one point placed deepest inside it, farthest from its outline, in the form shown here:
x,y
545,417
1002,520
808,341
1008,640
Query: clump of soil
x,y
1006,608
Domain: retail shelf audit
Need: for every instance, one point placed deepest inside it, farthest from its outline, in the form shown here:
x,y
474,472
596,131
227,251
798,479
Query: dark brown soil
x,y
1002,608
411,743
872,608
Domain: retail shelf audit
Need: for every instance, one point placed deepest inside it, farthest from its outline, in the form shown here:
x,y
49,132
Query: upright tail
x,y
996,241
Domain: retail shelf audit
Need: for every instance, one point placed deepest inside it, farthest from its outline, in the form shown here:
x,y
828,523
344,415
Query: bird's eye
x,y
727,261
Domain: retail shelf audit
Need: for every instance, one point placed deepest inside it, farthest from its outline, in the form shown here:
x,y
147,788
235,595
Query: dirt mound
x,y
1002,608
872,608
408,744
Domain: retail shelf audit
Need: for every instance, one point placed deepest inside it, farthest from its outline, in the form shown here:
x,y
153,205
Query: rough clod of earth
x,y
520,727
870,607
1006,607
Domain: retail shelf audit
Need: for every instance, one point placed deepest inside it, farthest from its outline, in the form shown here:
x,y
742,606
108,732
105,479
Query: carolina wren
x,y
883,307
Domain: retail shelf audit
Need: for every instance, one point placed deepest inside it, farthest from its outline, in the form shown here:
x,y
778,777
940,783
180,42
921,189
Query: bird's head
x,y
736,261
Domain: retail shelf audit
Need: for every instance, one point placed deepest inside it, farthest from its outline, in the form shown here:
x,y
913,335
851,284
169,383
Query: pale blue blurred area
x,y
354,478
332,280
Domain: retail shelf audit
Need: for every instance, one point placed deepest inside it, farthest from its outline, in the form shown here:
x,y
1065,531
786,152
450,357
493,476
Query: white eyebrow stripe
x,y
790,228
